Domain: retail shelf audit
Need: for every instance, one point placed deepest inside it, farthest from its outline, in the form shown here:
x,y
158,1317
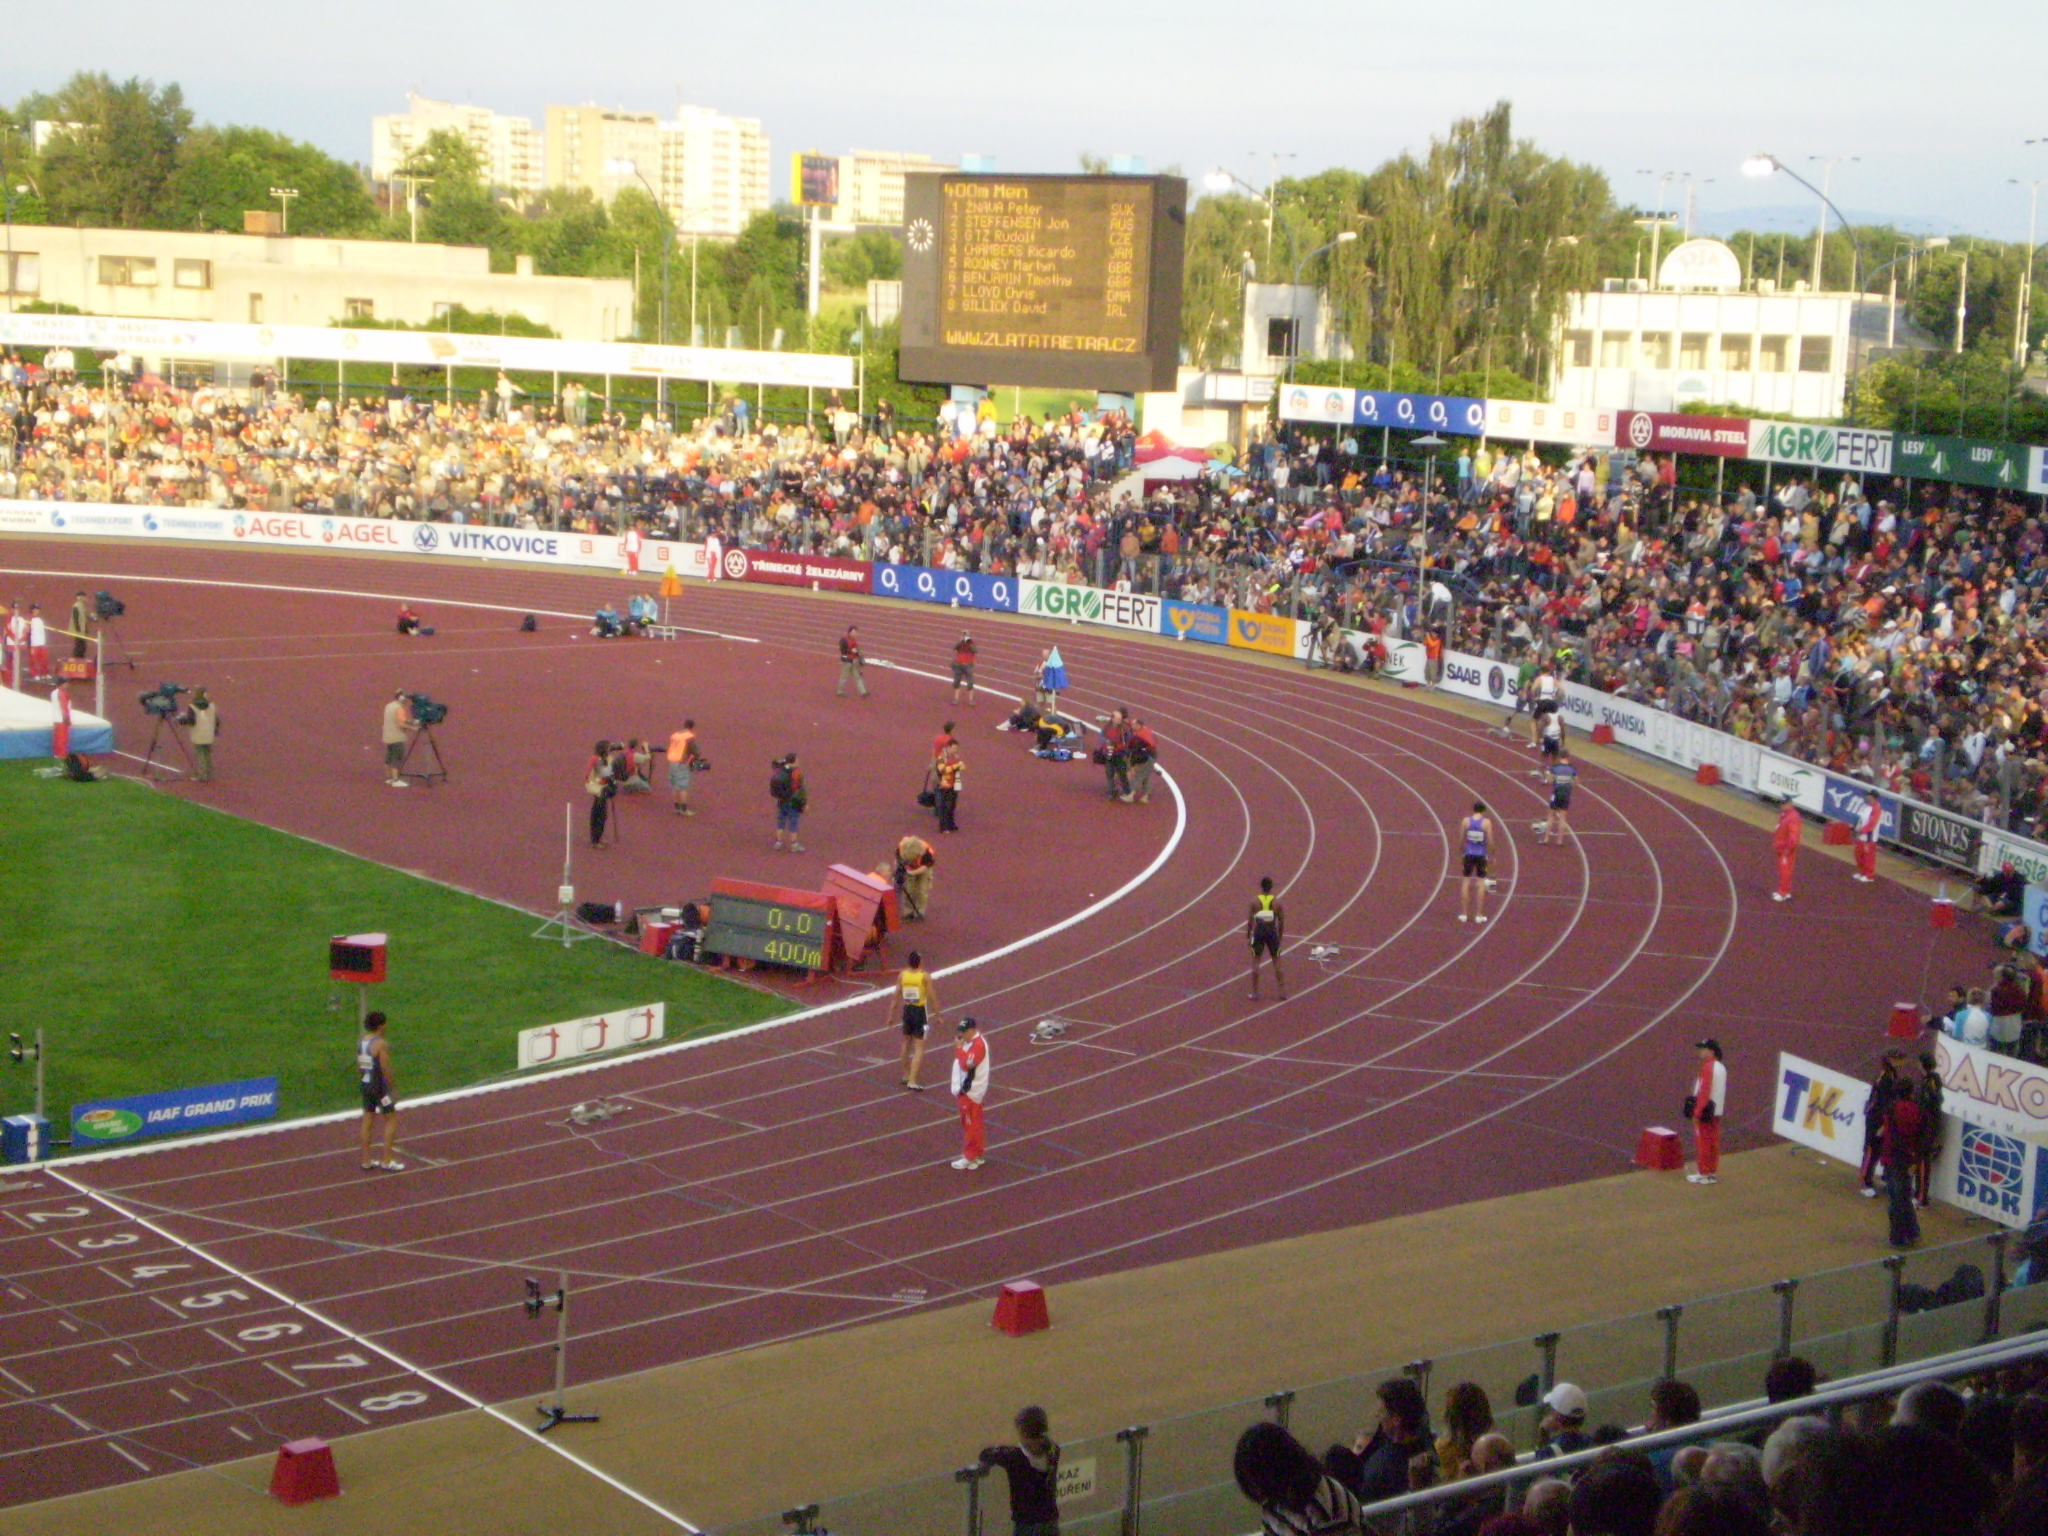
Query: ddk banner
x,y
959,589
109,1122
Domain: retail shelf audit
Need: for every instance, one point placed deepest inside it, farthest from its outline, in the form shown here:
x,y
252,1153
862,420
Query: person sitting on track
x,y
606,624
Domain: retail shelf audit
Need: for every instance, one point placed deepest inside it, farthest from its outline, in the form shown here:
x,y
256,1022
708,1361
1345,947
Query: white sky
x,y
1935,100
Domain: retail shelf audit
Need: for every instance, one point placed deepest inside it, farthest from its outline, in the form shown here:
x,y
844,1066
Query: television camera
x,y
162,702
108,606
426,714
426,711
168,715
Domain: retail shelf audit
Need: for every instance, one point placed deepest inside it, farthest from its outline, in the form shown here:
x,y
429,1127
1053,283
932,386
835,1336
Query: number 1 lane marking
x,y
378,1403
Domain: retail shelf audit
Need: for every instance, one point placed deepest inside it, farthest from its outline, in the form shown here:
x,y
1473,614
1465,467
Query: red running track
x,y
204,1301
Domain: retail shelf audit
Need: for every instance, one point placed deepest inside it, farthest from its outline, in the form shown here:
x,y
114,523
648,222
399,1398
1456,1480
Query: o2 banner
x,y
555,1044
958,589
110,1122
1195,621
1420,413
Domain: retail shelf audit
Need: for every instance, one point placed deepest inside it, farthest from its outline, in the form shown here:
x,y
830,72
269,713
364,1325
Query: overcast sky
x,y
1935,100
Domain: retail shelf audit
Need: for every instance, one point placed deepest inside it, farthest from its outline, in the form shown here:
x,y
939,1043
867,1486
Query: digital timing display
x,y
780,932
1067,281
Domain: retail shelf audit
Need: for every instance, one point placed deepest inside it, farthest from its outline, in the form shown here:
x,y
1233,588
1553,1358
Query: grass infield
x,y
160,944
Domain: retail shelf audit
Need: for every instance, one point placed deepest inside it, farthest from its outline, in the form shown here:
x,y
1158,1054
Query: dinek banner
x,y
1195,621
958,589
826,573
554,1044
109,1122
1262,632
1818,1107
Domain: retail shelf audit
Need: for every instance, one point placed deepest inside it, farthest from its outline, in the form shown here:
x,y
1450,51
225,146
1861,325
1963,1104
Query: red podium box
x,y
1603,735
1020,1309
1944,913
1707,773
1659,1147
1837,834
304,1472
654,936
1905,1022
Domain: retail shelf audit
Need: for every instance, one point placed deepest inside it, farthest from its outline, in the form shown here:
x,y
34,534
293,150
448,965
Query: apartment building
x,y
709,171
508,147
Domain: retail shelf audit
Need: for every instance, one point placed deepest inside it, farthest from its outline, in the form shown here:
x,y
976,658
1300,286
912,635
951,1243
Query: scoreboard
x,y
771,923
1060,281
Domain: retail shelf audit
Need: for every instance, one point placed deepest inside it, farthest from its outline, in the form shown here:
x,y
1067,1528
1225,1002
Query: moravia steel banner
x,y
1725,437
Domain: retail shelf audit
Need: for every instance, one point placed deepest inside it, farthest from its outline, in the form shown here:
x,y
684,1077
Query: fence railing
x,y
1172,1477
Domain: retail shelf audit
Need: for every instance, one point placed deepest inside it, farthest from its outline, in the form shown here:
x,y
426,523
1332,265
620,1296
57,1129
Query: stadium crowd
x,y
1935,1461
1889,631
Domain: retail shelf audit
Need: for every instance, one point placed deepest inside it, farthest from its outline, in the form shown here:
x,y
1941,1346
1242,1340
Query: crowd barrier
x,y
1927,831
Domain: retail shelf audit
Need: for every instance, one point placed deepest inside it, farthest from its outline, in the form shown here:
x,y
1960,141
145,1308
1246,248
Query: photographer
x,y
398,728
600,783
204,720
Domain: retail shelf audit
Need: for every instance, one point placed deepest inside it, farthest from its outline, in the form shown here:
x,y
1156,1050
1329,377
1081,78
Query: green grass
x,y
161,945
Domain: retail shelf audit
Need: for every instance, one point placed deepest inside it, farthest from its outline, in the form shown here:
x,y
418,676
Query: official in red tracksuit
x,y
1707,1103
1785,843
970,1088
1868,820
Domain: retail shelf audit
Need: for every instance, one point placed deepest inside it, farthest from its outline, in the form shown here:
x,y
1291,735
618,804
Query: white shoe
x,y
963,1164
392,1165
1693,1178
1463,918
976,1163
1864,879
397,783
1480,918
1708,1178
1779,896
1869,1193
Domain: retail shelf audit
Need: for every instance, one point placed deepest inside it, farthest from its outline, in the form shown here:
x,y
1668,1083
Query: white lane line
x,y
393,1356
342,1407
231,1344
127,1455
26,1389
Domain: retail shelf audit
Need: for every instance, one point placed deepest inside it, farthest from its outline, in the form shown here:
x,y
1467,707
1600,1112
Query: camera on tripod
x,y
162,700
425,710
108,606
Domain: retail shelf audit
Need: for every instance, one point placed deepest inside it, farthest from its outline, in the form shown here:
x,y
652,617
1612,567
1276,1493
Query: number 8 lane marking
x,y
384,1403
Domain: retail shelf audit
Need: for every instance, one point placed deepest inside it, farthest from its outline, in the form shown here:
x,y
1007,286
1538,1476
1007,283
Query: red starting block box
x,y
1659,1148
304,1472
1020,1309
1905,1022
1603,735
1706,773
1837,834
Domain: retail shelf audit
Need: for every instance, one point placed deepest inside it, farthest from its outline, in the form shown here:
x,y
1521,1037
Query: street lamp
x,y
284,196
8,194
668,240
1345,237
1820,239
1431,442
1766,165
2024,319
1891,326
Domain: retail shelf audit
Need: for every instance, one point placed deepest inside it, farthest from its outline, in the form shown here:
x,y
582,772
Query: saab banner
x,y
1262,632
959,589
108,1122
823,573
1725,437
1195,621
1850,449
1820,1108
1474,677
600,1033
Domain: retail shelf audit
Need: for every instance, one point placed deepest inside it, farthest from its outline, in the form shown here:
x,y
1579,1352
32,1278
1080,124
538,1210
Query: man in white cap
x,y
1562,1429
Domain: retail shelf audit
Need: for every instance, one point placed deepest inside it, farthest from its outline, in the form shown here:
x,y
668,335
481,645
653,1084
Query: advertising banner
x,y
1059,600
1319,403
1420,413
1853,450
1534,421
2001,1093
1195,621
1131,610
1843,800
2034,913
958,589
2037,471
1262,632
1474,677
1959,460
2029,858
1820,1108
1939,835
1725,437
554,1044
109,1122
1406,659
1787,778
1987,1173
822,573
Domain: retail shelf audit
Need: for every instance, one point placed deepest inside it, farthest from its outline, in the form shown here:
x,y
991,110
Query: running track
x,y
205,1302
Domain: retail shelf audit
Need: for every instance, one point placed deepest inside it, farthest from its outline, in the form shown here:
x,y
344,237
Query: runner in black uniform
x,y
1564,774
373,1075
1265,926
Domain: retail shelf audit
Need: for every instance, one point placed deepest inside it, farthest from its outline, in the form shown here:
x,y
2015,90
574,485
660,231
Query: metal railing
x,y
1172,1477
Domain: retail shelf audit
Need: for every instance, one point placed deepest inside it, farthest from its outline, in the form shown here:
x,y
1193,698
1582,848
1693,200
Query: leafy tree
x,y
447,159
113,163
223,172
570,233
873,255
1223,241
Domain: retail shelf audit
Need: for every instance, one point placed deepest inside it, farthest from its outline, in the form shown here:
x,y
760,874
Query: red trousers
x,y
38,661
1706,1140
1785,873
1866,859
973,1131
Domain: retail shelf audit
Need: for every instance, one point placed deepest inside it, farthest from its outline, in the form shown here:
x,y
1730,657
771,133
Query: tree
x,y
1224,237
447,159
224,172
110,161
873,255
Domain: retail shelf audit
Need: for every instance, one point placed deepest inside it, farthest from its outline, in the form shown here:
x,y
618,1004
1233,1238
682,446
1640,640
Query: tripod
x,y
110,630
564,921
166,728
425,775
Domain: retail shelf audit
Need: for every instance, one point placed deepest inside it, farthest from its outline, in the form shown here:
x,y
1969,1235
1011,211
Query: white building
x,y
1698,338
261,280
871,185
508,147
709,171
1285,323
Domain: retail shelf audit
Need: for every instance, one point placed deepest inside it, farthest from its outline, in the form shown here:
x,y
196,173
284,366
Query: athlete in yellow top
x,y
1265,928
915,1006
